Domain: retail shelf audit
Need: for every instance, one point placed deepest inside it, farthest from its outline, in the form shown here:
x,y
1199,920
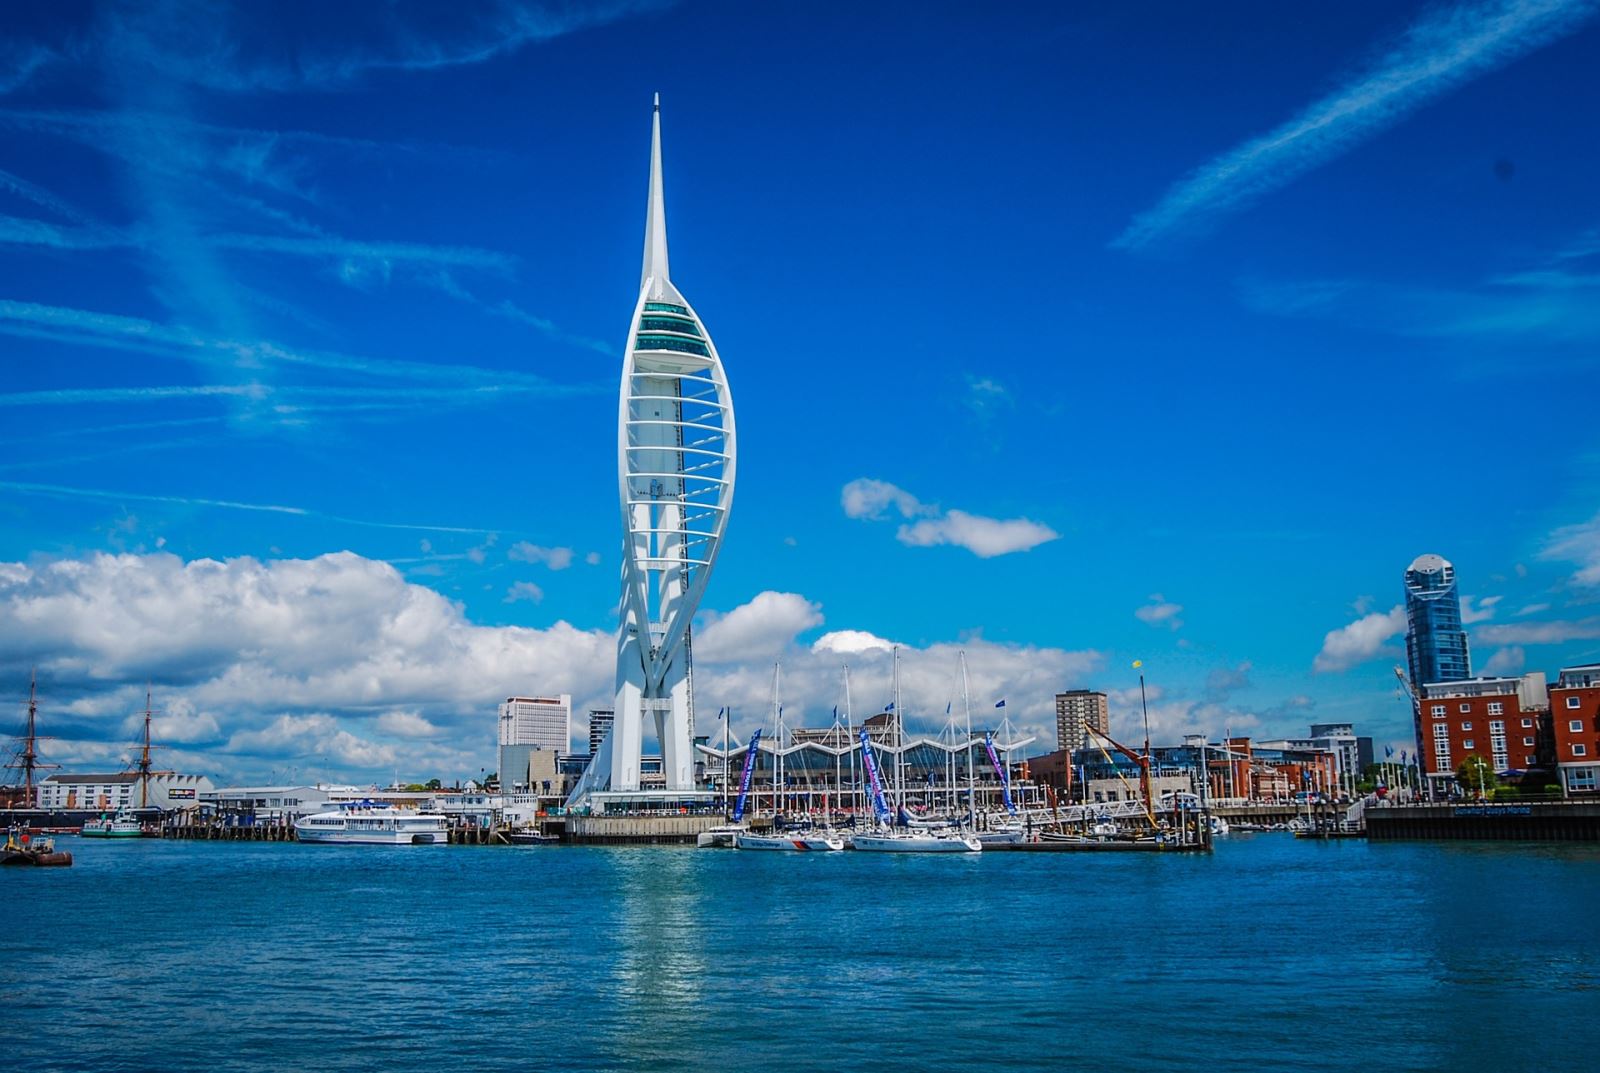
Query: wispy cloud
x,y
1518,308
1540,633
511,311
1160,612
1577,544
120,395
57,491
19,61
1446,48
929,525
117,330
217,50
332,247
41,197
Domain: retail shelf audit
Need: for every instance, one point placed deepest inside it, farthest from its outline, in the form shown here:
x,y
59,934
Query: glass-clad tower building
x,y
1436,645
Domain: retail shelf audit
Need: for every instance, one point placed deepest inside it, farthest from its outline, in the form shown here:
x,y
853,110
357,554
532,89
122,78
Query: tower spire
x,y
655,221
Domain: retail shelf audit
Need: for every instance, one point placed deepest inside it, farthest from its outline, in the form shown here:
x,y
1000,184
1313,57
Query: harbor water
x,y
1270,954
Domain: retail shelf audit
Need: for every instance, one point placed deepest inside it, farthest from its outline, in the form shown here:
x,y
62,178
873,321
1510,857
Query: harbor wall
x,y
1563,821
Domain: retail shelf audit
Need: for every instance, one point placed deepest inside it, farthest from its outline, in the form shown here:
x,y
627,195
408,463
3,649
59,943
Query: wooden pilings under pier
x,y
224,832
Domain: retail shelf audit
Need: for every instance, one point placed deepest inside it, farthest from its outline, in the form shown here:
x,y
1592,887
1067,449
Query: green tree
x,y
1476,775
435,784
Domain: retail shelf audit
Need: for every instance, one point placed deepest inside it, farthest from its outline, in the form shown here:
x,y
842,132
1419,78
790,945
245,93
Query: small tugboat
x,y
40,853
122,825
530,836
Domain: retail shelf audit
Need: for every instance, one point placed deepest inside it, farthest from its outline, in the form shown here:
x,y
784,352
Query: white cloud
x,y
1533,609
759,630
554,558
239,643
869,498
406,724
1507,661
986,398
1482,613
1360,641
1160,612
850,642
1577,544
593,558
1446,48
930,526
521,591
984,537
341,668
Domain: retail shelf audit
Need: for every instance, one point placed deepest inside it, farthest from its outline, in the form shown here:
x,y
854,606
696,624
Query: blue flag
x,y
1000,703
889,707
1388,750
947,707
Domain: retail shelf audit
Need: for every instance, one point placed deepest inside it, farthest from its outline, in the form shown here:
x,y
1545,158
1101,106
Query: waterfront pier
x,y
1530,821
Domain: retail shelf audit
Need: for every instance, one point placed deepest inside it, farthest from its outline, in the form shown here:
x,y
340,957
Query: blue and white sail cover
x,y
675,475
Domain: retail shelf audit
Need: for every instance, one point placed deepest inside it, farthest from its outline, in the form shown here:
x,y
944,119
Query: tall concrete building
x,y
542,721
1436,645
1077,712
600,720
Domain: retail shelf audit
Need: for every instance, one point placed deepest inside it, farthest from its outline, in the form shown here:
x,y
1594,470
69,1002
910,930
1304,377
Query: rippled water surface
x,y
1270,954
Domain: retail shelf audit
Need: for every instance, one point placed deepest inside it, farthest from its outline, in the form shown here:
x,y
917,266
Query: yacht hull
x,y
916,844
788,843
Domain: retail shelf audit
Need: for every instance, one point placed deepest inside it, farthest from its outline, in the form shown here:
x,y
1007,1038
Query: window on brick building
x,y
1527,722
1579,749
1466,726
1438,709
1575,725
1574,702
1496,708
1527,741
1466,706
1467,744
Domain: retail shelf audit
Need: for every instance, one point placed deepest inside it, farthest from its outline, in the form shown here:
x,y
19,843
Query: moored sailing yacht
x,y
806,839
887,839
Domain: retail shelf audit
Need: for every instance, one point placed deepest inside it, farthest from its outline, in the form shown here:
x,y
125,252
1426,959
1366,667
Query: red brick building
x,y
1506,721
1575,721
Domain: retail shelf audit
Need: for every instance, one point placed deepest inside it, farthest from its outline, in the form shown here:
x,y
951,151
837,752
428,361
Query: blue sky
x,y
1065,335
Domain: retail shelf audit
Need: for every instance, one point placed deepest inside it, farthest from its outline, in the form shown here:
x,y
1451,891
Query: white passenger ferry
x,y
379,826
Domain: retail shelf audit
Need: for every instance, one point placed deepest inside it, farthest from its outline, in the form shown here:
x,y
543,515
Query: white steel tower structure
x,y
675,471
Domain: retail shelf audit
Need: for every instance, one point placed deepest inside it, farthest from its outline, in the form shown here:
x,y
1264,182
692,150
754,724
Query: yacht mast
x,y
966,702
850,736
899,740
